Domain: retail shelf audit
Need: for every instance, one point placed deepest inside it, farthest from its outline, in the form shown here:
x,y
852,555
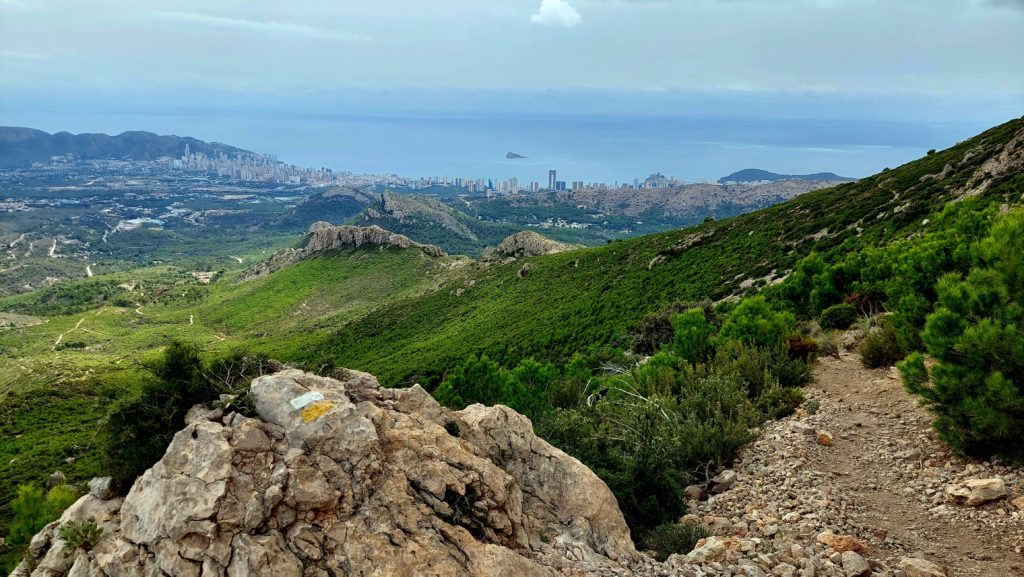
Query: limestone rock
x,y
914,567
527,244
723,481
322,237
713,549
974,492
346,477
854,565
101,488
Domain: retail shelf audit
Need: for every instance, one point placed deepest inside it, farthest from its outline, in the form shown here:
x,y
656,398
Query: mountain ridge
x,y
759,175
21,146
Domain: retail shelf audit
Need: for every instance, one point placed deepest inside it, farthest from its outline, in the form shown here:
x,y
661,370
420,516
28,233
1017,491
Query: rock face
x,y
526,244
348,478
324,237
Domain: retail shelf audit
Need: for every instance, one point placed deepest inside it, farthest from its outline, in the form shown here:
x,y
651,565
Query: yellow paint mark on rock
x,y
314,411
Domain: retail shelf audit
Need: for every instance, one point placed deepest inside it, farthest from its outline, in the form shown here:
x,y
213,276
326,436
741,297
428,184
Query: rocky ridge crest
x,y
526,244
324,237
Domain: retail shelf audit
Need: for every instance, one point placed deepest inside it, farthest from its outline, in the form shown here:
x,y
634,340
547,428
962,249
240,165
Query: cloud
x,y
288,28
556,13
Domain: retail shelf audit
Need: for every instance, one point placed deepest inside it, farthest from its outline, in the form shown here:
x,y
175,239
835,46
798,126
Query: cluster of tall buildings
x,y
252,167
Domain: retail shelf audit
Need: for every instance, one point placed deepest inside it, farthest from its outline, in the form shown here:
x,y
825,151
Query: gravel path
x,y
883,481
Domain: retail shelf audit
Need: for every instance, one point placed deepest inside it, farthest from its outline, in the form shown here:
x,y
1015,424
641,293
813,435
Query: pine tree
x,y
976,390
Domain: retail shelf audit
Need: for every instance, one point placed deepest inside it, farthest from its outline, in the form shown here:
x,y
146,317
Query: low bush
x,y
82,535
33,510
881,347
671,538
137,430
838,317
779,402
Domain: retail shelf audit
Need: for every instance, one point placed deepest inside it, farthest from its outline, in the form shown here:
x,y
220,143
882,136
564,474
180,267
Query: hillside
x,y
576,301
758,175
412,318
21,146
431,221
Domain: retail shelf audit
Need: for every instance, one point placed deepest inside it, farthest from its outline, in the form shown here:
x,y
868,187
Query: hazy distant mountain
x,y
21,146
514,156
758,175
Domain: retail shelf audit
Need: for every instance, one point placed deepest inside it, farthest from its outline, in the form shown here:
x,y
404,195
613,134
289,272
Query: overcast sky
x,y
925,60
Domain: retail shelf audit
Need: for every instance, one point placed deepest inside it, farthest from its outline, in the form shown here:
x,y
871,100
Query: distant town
x,y
265,168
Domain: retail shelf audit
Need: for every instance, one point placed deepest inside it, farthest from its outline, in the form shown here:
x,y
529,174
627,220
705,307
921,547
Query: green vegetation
x,y
138,429
880,347
976,389
552,343
668,539
80,534
651,429
838,317
31,510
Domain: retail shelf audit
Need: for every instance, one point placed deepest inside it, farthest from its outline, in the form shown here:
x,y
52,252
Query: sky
x,y
73,64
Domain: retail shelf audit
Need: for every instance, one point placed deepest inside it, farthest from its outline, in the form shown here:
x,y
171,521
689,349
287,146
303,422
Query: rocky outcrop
x,y
347,478
526,244
324,237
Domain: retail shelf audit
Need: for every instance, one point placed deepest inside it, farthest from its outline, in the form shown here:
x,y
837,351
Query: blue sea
x,y
590,147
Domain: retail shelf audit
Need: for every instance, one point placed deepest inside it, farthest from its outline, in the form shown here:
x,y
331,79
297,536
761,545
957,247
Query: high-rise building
x,y
552,179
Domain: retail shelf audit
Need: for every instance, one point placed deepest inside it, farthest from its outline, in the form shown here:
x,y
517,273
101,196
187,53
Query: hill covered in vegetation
x,y
557,336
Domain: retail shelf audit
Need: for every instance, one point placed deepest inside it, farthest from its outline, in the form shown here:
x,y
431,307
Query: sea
x,y
608,148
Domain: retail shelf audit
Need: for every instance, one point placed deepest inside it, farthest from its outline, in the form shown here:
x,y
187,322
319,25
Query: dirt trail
x,y
877,426
60,337
860,460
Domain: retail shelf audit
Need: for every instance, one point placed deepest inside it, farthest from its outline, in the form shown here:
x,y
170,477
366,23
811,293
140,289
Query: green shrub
x,y
754,323
80,534
838,317
976,389
656,330
137,430
779,402
33,510
693,332
762,369
881,348
481,380
671,538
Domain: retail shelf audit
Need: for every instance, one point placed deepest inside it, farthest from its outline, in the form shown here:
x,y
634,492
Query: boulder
x,y
526,244
914,567
713,549
723,481
693,492
974,492
854,565
346,477
102,488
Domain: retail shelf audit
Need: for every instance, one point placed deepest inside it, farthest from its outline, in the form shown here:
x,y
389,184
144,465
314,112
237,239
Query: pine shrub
x,y
838,317
976,389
